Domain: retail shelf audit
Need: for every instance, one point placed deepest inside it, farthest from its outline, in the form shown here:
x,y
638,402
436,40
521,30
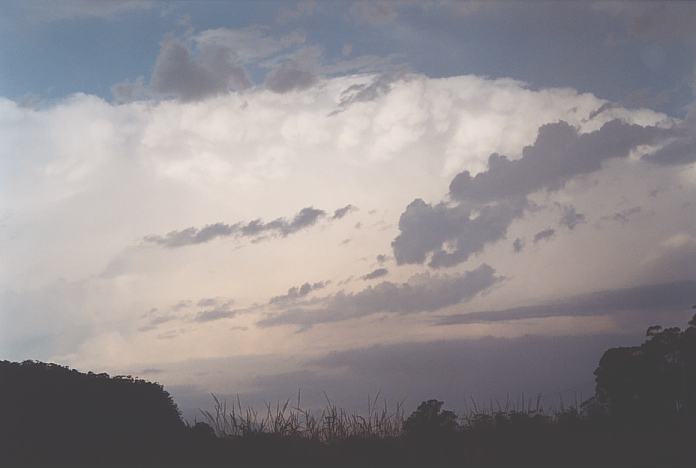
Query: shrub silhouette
x,y
429,419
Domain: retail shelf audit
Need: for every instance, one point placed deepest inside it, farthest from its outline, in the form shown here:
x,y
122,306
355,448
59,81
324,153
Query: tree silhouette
x,y
654,380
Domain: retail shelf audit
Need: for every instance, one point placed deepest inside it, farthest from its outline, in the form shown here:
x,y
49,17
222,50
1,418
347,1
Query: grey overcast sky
x,y
426,198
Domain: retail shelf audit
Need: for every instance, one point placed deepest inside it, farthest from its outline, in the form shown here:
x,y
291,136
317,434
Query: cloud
x,y
423,293
559,153
289,76
518,245
216,313
426,228
341,212
624,215
681,149
673,259
662,21
298,292
676,296
571,218
378,273
546,234
181,74
490,201
280,227
155,318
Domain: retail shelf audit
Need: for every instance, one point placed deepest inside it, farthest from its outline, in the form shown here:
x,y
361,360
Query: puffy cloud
x,y
421,294
95,177
490,201
305,218
676,296
426,228
374,274
288,77
189,77
559,153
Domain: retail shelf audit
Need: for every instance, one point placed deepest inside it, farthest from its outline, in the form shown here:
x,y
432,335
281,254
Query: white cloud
x,y
84,180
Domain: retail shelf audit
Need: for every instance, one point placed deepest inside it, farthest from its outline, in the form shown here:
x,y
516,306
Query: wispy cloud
x,y
257,228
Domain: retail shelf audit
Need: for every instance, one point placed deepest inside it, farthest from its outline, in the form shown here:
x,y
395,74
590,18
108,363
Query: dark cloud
x,y
423,293
378,273
450,233
679,150
382,259
298,292
518,245
289,76
675,296
341,212
187,76
571,218
486,204
558,154
546,234
257,228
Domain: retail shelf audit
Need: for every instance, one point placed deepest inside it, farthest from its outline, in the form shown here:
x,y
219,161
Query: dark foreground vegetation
x,y
643,414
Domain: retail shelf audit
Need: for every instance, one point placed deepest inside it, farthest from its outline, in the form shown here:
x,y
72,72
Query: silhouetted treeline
x,y
643,414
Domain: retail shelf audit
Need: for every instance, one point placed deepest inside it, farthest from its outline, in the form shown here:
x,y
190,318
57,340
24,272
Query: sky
x,y
435,199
